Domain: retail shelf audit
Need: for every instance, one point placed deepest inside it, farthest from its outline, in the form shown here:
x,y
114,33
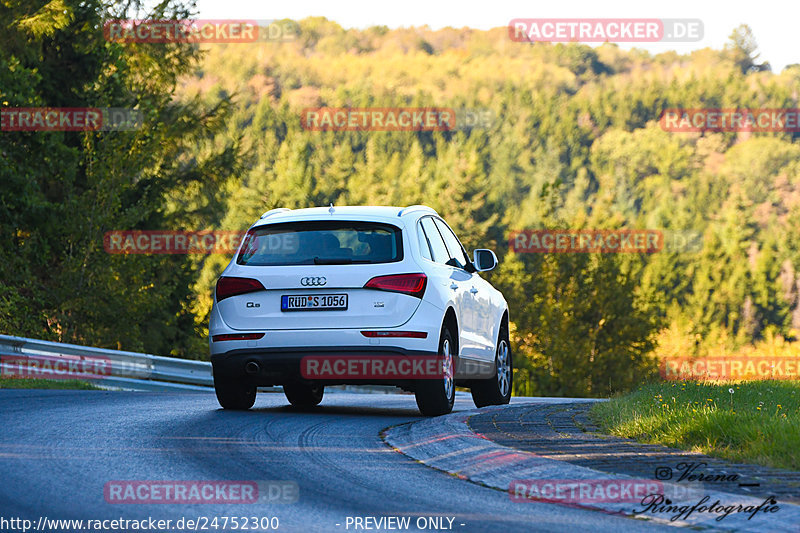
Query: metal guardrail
x,y
32,358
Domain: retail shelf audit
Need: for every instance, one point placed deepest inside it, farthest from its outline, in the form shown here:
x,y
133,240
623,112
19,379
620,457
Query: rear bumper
x,y
276,366
427,319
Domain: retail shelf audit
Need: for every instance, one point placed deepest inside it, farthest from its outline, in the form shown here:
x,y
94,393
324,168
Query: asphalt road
x,y
59,449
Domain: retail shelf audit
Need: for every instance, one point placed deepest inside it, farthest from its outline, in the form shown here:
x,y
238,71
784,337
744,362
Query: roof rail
x,y
415,208
273,211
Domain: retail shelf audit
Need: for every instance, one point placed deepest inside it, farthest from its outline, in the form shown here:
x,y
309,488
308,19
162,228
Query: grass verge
x,y
24,383
758,423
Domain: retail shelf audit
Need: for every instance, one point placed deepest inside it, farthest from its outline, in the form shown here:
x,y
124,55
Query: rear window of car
x,y
438,248
322,243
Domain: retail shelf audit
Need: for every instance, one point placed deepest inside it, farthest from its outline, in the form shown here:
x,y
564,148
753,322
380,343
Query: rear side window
x,y
321,243
424,247
453,245
438,248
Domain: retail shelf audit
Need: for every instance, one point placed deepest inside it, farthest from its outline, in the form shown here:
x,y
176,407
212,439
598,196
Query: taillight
x,y
237,337
409,334
227,286
411,284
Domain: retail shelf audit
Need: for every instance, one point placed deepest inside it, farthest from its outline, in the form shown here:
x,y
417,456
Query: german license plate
x,y
313,302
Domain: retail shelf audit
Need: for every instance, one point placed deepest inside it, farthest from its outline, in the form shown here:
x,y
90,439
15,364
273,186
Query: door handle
x,y
453,286
473,290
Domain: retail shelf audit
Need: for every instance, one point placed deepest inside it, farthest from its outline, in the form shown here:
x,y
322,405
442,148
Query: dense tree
x,y
573,140
61,191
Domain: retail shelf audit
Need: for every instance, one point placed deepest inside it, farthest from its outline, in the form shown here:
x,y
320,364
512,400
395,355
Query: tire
x,y
234,395
496,390
302,395
435,397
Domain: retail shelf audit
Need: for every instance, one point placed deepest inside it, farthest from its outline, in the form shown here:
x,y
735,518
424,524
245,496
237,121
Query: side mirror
x,y
484,260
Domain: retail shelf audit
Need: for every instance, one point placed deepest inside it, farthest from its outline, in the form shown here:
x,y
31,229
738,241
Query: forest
x,y
570,138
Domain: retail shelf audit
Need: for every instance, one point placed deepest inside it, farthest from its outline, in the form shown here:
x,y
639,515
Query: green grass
x,y
759,423
24,383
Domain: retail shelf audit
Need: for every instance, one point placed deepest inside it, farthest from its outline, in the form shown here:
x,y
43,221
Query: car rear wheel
x,y
303,395
496,390
436,396
234,395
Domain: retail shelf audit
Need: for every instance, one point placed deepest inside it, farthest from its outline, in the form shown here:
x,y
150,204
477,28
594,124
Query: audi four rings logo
x,y
313,281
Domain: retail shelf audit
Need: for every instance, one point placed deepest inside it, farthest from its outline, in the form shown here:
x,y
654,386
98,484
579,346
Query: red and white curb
x,y
446,443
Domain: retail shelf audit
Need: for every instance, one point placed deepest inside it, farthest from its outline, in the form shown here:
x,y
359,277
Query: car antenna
x,y
331,210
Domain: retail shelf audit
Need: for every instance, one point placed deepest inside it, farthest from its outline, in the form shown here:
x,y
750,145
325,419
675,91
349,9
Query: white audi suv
x,y
358,295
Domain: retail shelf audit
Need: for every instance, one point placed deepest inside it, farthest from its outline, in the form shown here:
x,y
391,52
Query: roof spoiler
x,y
274,211
416,208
